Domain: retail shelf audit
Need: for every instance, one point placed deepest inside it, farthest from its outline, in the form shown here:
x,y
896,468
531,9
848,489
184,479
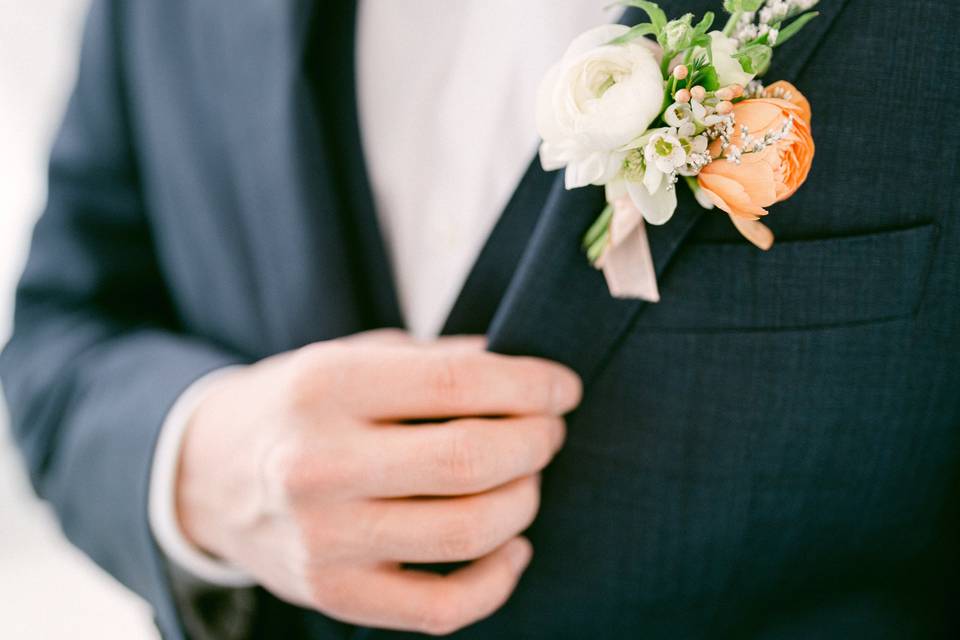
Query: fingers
x,y
406,384
449,529
435,604
463,456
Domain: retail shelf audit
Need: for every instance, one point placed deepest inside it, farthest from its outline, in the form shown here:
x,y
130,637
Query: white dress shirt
x,y
447,93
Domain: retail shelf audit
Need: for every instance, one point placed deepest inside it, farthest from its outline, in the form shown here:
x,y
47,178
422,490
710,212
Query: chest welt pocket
x,y
796,284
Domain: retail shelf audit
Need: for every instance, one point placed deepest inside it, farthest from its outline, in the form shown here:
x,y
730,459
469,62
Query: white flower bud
x,y
677,34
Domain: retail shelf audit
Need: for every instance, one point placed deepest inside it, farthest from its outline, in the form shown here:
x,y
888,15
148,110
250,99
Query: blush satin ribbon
x,y
627,263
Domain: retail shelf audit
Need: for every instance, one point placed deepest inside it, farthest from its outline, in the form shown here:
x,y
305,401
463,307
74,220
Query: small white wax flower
x,y
684,132
678,113
597,99
748,32
664,151
704,116
699,144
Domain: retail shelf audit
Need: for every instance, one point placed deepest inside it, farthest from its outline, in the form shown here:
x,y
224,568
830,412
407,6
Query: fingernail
x,y
519,553
566,392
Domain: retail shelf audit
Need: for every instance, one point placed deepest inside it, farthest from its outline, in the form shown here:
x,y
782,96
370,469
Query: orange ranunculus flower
x,y
765,177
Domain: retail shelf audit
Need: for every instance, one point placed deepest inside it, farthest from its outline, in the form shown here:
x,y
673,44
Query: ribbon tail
x,y
628,267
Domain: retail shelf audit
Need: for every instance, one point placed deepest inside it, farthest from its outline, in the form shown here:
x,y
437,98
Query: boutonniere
x,y
637,109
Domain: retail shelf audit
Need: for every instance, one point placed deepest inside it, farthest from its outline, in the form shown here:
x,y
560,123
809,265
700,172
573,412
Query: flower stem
x,y
598,227
595,240
665,64
732,23
598,247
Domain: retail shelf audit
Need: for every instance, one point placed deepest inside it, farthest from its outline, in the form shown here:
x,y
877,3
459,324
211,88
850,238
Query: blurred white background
x,y
48,589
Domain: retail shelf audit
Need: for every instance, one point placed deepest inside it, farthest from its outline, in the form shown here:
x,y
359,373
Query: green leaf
x,y
707,78
794,27
657,16
736,6
704,23
638,31
755,58
701,41
796,10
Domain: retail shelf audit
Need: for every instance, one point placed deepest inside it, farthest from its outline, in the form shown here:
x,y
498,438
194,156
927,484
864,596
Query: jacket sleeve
x,y
96,358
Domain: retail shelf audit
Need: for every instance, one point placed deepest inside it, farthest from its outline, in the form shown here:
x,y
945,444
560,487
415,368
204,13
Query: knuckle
x,y
307,380
281,469
459,539
328,592
313,373
299,477
444,378
320,542
306,471
372,528
463,458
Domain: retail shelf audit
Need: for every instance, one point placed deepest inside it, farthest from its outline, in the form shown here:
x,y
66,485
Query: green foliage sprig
x,y
691,41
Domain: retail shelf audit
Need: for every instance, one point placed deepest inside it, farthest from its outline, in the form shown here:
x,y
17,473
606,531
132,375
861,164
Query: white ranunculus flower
x,y
729,70
595,100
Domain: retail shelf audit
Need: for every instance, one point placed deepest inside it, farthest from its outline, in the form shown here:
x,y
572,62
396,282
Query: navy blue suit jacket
x,y
772,451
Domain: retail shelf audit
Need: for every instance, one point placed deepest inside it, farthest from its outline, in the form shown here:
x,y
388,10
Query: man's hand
x,y
321,470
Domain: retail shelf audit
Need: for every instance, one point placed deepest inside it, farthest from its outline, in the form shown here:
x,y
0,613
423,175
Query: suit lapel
x,y
557,306
300,184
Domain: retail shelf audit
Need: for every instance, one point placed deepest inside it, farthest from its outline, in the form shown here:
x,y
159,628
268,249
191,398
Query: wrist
x,y
184,549
197,501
